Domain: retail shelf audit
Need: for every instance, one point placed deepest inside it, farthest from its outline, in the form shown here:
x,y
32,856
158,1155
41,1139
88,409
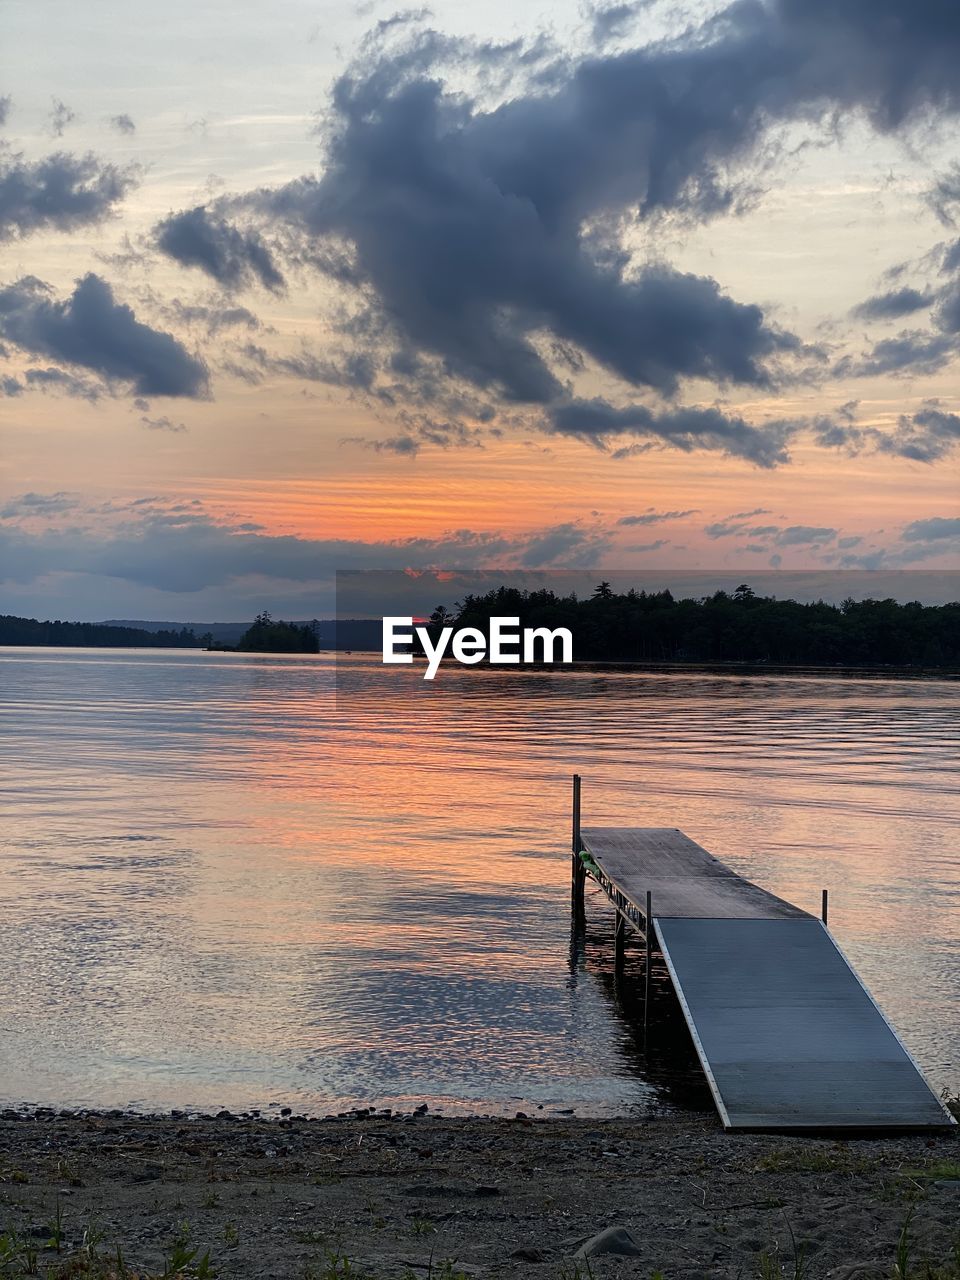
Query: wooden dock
x,y
787,1034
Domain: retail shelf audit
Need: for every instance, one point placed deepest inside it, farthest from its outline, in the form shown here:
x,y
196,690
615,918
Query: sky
x,y
309,287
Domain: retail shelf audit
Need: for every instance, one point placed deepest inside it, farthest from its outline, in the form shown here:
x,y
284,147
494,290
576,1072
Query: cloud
x,y
62,192
161,424
38,504
6,102
730,529
947,315
91,330
892,58
893,304
234,258
655,517
912,351
179,547
61,117
933,529
687,429
797,535
571,544
68,384
405,446
484,231
214,318
928,435
123,124
473,230
647,546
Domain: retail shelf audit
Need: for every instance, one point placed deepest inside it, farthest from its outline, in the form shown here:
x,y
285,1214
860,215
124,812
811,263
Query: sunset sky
x,y
301,287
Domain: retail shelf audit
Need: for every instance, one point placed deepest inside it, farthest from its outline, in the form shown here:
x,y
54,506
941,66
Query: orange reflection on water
x,y
225,886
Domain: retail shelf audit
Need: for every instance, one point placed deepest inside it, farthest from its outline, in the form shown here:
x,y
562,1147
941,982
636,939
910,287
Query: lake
x,y
224,887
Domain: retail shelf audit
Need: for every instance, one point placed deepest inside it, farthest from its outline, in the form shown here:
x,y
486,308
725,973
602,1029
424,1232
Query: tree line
x,y
269,635
15,630
266,635
741,626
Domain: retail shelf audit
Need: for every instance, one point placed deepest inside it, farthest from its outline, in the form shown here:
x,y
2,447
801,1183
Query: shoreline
x,y
412,1194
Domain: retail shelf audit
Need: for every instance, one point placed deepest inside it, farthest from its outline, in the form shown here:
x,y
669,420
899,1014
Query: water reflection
x,y
223,888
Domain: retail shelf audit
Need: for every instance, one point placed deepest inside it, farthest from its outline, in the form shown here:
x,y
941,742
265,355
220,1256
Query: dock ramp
x,y
787,1034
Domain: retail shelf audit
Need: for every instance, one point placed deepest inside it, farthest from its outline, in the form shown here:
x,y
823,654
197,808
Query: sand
x,y
426,1196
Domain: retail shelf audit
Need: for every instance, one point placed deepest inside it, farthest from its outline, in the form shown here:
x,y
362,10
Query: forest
x,y
741,626
269,635
93,634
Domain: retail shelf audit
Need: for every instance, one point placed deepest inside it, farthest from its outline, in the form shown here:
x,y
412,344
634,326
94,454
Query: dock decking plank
x,y
683,878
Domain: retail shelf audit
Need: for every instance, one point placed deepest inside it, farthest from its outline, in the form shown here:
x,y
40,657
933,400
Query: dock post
x,y
578,874
823,906
648,938
620,938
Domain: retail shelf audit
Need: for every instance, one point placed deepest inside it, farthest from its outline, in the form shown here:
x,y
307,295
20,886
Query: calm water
x,y
222,889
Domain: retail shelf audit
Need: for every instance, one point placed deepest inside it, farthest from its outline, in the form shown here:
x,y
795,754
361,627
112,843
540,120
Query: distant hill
x,y
222,632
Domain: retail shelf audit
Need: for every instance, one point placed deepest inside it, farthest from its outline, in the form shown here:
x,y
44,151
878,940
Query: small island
x,y
269,635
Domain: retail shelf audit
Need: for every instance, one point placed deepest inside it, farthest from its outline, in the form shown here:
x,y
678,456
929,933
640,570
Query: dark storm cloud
x,y
895,59
468,228
893,304
234,258
687,429
485,240
62,191
93,331
466,225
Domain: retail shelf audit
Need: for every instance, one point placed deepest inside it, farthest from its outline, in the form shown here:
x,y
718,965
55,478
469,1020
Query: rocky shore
x,y
427,1197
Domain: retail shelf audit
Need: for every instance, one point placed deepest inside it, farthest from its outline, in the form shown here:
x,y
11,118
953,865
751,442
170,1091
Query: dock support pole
x,y
619,939
648,937
578,873
823,906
